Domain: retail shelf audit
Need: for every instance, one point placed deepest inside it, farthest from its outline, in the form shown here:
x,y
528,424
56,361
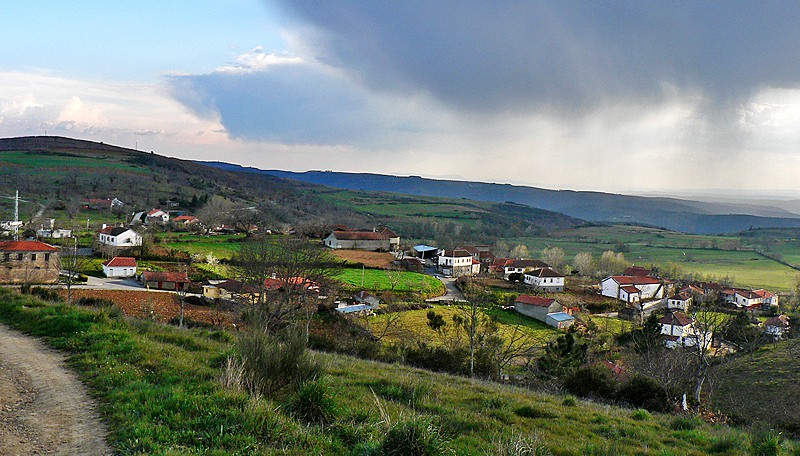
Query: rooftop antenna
x,y
16,223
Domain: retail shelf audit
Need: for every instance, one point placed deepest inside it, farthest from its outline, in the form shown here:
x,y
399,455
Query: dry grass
x,y
370,259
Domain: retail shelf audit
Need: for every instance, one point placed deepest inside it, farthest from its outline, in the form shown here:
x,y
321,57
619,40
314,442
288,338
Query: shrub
x,y
273,363
644,392
315,402
592,382
640,415
729,443
684,423
569,401
417,436
95,302
45,294
766,443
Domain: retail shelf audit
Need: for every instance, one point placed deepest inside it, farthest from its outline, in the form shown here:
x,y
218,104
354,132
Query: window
x,y
33,257
6,257
20,256
46,257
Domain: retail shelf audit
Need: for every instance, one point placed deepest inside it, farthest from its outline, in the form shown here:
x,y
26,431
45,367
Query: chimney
x,y
104,226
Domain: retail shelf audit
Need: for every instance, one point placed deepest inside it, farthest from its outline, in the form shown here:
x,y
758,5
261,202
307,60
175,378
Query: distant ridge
x,y
671,213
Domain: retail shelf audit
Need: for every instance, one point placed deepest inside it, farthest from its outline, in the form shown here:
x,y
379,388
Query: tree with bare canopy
x,y
286,277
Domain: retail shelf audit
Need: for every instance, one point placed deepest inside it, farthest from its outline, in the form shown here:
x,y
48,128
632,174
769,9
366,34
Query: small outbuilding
x,y
120,267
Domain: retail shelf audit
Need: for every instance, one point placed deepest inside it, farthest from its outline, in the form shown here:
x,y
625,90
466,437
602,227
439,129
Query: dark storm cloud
x,y
293,103
561,55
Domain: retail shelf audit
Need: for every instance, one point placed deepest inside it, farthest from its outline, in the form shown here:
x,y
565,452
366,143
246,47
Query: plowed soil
x,y
371,259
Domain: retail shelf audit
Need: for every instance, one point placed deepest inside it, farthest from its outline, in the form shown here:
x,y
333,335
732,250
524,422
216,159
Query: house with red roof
x,y
678,330
173,281
632,289
28,262
638,271
680,301
186,219
777,327
749,299
508,266
546,310
158,216
120,267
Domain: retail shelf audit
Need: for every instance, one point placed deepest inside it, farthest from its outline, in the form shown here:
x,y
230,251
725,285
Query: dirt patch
x,y
156,305
372,259
44,408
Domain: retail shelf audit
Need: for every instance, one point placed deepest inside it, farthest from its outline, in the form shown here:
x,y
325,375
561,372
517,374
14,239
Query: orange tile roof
x,y
535,300
26,246
121,262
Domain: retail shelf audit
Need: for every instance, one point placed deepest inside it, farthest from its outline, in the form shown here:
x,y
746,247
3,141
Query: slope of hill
x,y
762,387
675,214
59,173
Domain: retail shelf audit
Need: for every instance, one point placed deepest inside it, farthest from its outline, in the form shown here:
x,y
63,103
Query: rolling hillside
x,y
675,214
55,175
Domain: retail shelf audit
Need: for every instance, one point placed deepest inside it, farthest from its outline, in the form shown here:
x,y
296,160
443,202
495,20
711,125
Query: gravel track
x,y
44,408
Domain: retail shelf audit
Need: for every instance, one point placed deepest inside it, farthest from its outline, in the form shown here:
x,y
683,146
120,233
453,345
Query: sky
x,y
618,96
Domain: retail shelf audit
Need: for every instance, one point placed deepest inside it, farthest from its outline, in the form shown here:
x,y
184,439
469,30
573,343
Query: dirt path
x,y
44,409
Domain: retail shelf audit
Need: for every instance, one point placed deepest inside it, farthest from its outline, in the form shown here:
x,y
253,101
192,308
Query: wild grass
x,y
378,280
160,392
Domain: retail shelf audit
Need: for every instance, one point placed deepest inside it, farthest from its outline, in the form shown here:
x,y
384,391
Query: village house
x,y
53,233
173,281
546,310
481,253
638,271
545,279
508,266
358,240
678,330
777,327
229,290
362,297
749,299
120,267
680,301
157,216
186,220
394,238
457,263
632,289
28,262
117,236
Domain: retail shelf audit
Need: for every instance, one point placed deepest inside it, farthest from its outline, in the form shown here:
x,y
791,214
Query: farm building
x,y
539,308
173,281
358,240
27,262
632,289
545,279
120,267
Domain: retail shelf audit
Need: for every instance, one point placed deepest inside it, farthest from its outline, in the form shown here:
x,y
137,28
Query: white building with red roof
x,y
678,330
158,216
457,263
777,327
632,289
750,299
120,267
28,262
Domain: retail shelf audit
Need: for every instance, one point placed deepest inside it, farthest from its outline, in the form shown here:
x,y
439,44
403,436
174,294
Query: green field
x,y
159,390
55,162
377,280
220,246
646,246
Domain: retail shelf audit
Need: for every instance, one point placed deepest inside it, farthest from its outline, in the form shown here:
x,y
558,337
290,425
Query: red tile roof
x,y
781,321
121,262
535,300
546,272
359,235
635,280
637,271
26,246
185,218
457,253
152,276
675,319
630,289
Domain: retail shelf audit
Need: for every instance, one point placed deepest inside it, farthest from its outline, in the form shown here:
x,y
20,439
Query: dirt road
x,y
44,409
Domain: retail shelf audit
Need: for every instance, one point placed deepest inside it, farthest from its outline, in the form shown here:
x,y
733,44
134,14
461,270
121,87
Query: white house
x,y
777,326
358,240
742,298
362,297
545,279
158,216
56,233
511,266
120,237
457,263
678,330
120,267
680,301
632,288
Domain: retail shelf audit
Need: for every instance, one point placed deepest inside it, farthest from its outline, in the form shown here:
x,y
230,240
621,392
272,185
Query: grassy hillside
x,y
160,392
762,387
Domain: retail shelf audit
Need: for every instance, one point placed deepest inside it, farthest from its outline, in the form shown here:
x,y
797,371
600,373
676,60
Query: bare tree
x,y
584,263
707,319
472,314
285,276
72,264
554,256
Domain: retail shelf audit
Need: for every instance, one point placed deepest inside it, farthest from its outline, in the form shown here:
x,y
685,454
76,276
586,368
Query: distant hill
x,y
671,213
56,174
